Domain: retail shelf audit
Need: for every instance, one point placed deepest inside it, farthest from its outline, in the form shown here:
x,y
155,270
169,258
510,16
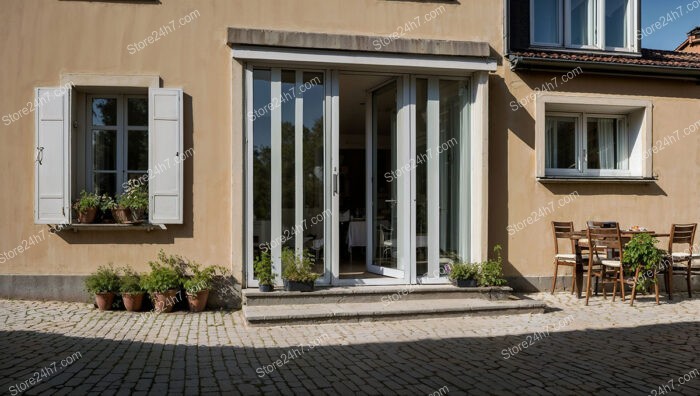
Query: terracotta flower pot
x,y
164,302
132,301
122,215
137,215
198,301
104,300
88,216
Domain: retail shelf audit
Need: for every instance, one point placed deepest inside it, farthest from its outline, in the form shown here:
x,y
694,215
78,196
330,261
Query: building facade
x,y
384,138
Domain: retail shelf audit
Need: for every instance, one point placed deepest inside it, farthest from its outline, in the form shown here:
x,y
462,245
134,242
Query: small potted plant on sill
x,y
491,270
163,283
135,198
103,283
263,270
131,289
86,207
464,274
296,271
120,214
199,284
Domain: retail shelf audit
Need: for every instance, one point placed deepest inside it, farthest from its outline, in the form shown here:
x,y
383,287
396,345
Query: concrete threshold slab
x,y
399,310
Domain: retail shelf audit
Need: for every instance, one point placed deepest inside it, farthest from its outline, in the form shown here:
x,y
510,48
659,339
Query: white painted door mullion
x,y
276,172
369,178
433,177
403,205
249,176
412,264
298,163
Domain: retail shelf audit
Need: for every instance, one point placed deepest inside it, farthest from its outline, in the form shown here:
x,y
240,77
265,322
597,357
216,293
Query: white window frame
x,y
638,114
582,150
560,22
598,27
122,129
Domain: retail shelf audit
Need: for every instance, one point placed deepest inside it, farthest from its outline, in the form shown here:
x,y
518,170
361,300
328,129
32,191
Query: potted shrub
x,y
491,270
86,207
641,254
263,270
296,271
198,285
120,213
135,198
464,274
131,289
163,283
103,283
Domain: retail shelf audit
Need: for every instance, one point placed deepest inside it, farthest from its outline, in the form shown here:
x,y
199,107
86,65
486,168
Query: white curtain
x,y
550,141
622,150
606,143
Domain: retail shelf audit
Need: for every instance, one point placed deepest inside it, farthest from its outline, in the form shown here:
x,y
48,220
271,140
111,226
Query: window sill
x,y
111,227
620,180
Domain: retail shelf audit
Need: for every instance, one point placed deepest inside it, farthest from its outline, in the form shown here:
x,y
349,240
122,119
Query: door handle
x,y
335,183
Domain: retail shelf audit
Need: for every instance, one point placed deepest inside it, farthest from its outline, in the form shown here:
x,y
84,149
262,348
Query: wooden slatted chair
x,y
562,231
680,262
601,237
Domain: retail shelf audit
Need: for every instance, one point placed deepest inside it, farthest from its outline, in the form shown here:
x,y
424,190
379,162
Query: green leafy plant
x,y
263,268
201,279
161,279
87,201
135,196
130,281
107,203
641,252
104,280
463,271
491,270
297,269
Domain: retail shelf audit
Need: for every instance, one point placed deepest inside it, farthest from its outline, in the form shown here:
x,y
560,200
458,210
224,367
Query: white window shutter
x,y
52,156
165,153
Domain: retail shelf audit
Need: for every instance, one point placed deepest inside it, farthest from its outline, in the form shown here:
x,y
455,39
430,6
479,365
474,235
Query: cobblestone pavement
x,y
605,348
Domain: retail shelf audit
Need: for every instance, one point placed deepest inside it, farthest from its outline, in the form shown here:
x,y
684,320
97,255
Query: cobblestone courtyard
x,y
605,348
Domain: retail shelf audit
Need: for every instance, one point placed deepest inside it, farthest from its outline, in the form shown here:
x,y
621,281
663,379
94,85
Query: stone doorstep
x,y
373,294
399,310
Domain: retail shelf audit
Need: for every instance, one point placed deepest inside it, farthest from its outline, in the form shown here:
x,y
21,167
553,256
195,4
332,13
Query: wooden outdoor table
x,y
580,247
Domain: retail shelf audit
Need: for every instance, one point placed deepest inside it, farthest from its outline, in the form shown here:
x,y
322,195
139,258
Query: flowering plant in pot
x,y
199,283
119,213
134,198
464,274
131,289
296,271
86,207
163,283
263,271
103,283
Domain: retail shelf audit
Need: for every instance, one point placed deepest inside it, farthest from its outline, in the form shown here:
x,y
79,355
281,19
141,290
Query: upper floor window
x,y
584,24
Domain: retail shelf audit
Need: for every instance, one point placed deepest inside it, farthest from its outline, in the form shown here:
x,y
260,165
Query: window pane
x,y
583,22
141,176
288,152
104,111
453,124
313,93
137,111
104,145
138,150
606,144
261,158
546,21
105,183
560,141
616,27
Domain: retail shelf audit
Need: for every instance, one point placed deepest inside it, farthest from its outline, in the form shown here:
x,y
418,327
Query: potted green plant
x,y
296,271
263,270
464,274
163,283
134,198
131,290
119,213
642,256
198,285
86,207
491,270
103,283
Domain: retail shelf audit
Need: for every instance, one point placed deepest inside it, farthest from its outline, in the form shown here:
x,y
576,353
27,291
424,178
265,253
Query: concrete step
x,y
370,294
284,314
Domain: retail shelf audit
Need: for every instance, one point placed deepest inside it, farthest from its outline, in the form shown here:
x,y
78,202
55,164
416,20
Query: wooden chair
x,y
603,236
680,263
563,230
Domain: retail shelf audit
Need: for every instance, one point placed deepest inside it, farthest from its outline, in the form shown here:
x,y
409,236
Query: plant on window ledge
x,y
86,207
135,198
103,283
119,213
296,271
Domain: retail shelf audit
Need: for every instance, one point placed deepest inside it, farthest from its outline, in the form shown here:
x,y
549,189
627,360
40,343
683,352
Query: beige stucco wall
x,y
40,40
